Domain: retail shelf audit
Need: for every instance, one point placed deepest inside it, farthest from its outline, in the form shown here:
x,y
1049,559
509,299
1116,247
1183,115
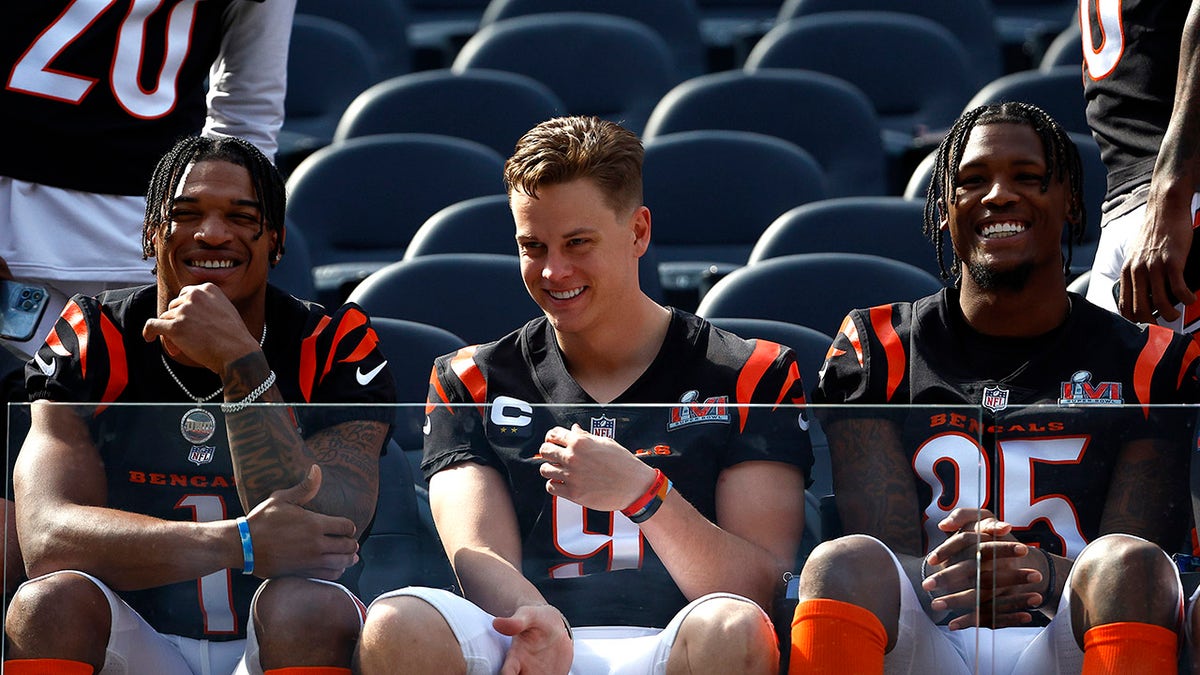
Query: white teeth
x,y
212,264
565,295
1001,230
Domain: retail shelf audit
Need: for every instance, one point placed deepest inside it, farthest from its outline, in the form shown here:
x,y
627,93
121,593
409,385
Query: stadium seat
x,y
485,225
1065,50
329,64
294,273
711,194
973,22
913,70
1058,91
382,23
608,66
677,21
477,296
360,201
410,348
391,556
1095,184
827,117
437,29
491,107
890,227
815,289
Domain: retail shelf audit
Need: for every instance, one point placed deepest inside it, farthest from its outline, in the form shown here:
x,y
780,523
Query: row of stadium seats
x,y
914,73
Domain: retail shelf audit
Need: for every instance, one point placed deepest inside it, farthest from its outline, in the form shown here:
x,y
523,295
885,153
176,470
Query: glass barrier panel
x,y
993,492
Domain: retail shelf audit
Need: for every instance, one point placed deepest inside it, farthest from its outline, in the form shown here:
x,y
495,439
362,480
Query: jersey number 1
x,y
216,589
34,74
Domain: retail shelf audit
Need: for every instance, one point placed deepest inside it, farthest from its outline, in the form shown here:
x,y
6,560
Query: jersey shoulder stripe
x,y
1158,339
468,372
893,347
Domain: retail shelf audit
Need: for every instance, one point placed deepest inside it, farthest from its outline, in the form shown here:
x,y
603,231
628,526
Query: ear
x,y
641,230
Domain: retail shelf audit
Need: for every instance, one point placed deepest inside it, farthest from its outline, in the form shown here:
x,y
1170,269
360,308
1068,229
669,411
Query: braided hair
x,y
173,168
1061,158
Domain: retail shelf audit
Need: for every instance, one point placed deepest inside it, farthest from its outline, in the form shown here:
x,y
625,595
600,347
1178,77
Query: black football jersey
x,y
1131,56
171,462
91,82
596,566
1027,428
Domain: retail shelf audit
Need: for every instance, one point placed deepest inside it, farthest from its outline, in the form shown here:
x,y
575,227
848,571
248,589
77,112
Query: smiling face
x,y
1003,226
579,256
215,234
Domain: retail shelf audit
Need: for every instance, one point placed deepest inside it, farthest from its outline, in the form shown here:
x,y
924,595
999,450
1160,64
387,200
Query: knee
x,y
848,569
1117,573
64,604
726,624
402,617
407,629
306,610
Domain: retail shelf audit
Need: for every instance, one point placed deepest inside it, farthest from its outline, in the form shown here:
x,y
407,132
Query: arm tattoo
x,y
874,484
1148,495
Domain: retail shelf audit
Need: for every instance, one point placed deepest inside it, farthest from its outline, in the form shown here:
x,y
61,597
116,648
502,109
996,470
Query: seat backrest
x,y
362,199
383,24
294,273
1058,91
890,227
677,21
711,193
825,116
815,289
492,107
329,64
912,69
973,22
477,296
1065,50
608,66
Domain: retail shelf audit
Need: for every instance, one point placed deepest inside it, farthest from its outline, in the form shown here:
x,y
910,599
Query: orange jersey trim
x,y
349,322
893,348
118,365
764,354
440,391
1157,341
73,314
308,360
850,330
1189,361
463,365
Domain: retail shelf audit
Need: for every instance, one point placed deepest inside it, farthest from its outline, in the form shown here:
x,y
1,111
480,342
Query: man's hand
x,y
1004,596
202,327
290,540
540,642
1152,277
592,471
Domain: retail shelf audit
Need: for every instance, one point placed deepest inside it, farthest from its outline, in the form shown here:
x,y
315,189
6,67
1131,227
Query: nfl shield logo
x,y
201,454
605,427
995,398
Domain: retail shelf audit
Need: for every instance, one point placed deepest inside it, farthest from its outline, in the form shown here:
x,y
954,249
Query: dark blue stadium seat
x,y
609,66
1058,91
890,227
477,296
492,107
360,201
815,289
677,21
827,117
383,24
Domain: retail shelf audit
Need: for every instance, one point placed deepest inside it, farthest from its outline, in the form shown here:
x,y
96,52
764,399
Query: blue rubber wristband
x,y
247,546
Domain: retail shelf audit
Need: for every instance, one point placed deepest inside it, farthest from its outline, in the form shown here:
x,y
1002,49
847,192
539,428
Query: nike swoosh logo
x,y
365,378
48,369
425,429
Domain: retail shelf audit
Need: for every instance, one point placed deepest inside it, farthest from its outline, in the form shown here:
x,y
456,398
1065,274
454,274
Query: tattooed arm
x,y
873,481
269,454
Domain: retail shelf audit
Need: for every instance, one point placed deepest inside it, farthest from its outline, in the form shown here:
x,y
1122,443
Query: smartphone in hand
x,y
21,308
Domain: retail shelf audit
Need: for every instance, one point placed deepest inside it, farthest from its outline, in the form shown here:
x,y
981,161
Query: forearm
x,y
703,558
492,582
269,454
128,551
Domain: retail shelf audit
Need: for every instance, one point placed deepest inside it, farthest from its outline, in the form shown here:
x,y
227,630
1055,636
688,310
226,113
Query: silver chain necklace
x,y
199,400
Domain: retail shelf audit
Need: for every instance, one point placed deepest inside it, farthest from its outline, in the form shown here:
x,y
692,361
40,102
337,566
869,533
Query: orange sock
x,y
47,667
1130,649
308,670
830,637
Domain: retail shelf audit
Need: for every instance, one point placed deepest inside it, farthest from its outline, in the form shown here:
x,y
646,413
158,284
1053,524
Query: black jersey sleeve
x,y
455,409
341,362
82,359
